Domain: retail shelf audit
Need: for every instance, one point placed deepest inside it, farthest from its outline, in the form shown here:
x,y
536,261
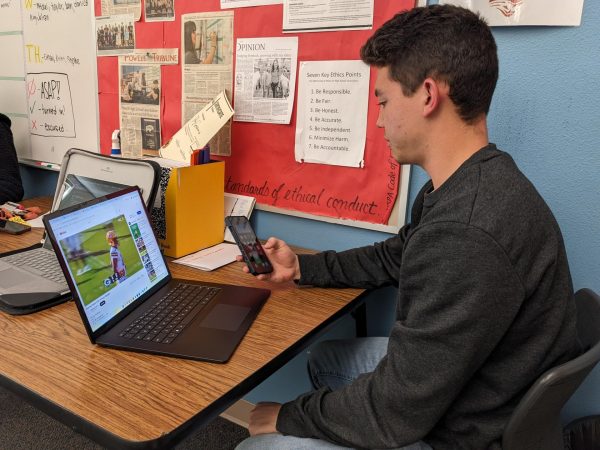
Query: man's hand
x,y
284,261
263,418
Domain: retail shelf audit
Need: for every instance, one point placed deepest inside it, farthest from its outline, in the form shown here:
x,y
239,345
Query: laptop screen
x,y
111,253
78,189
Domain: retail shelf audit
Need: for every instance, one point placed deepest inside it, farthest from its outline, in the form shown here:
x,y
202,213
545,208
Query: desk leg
x,y
360,317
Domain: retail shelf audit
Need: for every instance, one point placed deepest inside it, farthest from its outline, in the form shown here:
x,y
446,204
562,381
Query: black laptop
x,y
129,300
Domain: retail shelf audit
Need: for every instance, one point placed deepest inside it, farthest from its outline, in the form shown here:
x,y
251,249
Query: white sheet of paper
x,y
317,15
10,16
196,133
37,222
244,3
265,79
525,12
211,258
331,126
237,205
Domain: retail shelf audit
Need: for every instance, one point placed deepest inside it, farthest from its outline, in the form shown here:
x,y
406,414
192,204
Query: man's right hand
x,y
284,261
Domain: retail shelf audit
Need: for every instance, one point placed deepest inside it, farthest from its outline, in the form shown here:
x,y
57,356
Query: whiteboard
x,y
61,85
12,74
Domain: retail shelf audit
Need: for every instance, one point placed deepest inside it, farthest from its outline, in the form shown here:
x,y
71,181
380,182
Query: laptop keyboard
x,y
170,315
42,260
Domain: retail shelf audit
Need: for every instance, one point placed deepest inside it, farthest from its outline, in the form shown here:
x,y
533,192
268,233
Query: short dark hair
x,y
445,42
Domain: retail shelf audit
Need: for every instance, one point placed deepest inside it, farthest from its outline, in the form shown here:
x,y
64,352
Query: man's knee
x,y
337,362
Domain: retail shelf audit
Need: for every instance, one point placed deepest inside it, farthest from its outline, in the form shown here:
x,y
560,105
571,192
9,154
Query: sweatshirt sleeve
x,y
11,187
457,294
366,267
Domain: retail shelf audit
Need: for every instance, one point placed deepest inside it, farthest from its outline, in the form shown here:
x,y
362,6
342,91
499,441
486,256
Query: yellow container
x,y
194,204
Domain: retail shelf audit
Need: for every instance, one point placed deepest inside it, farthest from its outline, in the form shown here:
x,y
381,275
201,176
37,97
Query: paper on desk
x,y
211,258
37,222
200,129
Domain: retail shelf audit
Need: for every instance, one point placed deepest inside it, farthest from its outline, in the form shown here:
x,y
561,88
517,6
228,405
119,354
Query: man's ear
x,y
433,93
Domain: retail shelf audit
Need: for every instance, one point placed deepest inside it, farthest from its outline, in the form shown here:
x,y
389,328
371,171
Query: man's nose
x,y
379,122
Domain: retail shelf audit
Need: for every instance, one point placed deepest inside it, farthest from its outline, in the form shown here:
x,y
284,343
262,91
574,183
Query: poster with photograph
x,y
207,53
159,10
525,12
265,79
115,35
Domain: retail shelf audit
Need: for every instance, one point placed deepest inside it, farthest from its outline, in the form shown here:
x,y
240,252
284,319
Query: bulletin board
x,y
262,160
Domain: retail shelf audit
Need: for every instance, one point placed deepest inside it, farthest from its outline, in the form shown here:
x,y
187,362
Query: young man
x,y
485,297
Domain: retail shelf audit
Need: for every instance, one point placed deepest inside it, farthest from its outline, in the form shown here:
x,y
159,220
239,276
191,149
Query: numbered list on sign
x,y
332,112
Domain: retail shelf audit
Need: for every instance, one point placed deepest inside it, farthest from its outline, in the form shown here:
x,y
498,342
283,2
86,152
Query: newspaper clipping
x,y
140,98
207,52
265,79
159,10
112,7
245,3
115,35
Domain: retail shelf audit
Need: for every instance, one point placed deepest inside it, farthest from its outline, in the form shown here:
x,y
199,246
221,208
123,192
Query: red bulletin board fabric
x,y
262,160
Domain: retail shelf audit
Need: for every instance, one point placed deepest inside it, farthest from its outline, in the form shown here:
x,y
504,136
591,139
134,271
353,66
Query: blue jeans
x,y
331,363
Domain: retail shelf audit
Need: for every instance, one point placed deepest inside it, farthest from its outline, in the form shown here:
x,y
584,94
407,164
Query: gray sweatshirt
x,y
11,187
485,306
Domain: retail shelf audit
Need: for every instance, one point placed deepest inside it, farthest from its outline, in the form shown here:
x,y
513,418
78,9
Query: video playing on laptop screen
x,y
111,253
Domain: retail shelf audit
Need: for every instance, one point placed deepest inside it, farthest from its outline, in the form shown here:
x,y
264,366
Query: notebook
x,y
130,301
37,270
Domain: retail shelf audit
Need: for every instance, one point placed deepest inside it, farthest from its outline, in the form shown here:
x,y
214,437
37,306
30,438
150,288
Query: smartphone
x,y
253,253
8,226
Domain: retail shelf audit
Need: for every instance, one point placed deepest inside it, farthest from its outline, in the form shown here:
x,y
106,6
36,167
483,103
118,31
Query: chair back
x,y
535,422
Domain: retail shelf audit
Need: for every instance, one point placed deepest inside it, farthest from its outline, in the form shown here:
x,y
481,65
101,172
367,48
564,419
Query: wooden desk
x,y
133,400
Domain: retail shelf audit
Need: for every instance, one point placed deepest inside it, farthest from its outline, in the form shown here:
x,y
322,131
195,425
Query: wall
x,y
546,113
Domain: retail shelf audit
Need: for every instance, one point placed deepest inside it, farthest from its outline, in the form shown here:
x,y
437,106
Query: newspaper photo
x,y
112,7
115,35
159,10
207,69
140,88
265,79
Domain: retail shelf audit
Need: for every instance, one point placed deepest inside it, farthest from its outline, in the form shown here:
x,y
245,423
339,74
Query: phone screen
x,y
8,226
253,253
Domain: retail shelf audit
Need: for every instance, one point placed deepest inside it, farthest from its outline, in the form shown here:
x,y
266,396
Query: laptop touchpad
x,y
225,317
10,278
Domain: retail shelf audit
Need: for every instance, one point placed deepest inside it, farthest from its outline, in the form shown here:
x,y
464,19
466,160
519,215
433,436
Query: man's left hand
x,y
263,418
